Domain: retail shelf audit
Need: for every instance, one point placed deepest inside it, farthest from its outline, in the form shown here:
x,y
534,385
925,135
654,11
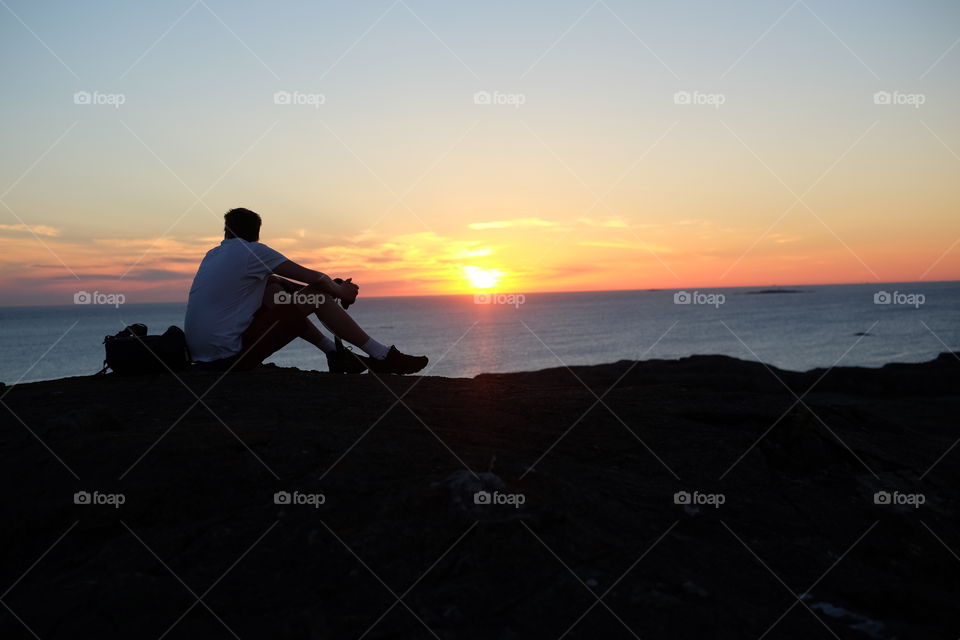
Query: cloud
x,y
417,248
141,275
615,223
427,260
384,258
191,260
781,238
158,275
37,229
512,224
625,245
282,243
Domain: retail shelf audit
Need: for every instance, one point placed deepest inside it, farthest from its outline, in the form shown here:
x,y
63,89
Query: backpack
x,y
132,351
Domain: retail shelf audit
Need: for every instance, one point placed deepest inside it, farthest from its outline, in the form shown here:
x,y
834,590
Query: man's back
x,y
226,292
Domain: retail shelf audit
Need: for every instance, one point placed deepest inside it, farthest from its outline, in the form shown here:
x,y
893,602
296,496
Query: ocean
x,y
796,328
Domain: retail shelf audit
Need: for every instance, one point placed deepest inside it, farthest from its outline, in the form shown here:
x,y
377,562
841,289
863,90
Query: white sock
x,y
375,350
327,345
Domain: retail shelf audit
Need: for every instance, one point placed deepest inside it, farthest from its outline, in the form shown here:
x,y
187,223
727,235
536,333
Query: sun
x,y
482,278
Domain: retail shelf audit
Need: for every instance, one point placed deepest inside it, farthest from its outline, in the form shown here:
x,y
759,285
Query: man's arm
x,y
293,271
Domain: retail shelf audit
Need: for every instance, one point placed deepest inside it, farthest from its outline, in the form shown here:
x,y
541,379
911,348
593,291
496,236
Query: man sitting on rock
x,y
244,306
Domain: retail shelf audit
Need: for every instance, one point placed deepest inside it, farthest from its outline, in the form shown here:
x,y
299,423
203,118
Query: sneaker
x,y
343,360
397,362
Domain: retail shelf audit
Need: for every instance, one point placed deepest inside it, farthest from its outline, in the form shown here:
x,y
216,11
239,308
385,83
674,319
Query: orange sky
x,y
513,255
520,147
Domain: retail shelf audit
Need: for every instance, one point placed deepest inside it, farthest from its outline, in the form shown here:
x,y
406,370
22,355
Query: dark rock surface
x,y
589,540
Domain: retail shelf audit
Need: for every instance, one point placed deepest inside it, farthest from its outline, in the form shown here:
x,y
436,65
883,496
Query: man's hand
x,y
343,289
348,291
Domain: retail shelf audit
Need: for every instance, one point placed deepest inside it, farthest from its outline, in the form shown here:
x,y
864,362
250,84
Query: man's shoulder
x,y
252,253
239,245
262,250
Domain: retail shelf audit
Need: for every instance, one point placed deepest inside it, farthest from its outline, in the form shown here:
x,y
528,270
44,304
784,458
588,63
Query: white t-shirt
x,y
226,292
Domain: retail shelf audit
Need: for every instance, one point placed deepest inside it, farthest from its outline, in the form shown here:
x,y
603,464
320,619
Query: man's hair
x,y
241,223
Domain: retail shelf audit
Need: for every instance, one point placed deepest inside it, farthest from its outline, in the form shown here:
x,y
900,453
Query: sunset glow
x,y
703,166
482,278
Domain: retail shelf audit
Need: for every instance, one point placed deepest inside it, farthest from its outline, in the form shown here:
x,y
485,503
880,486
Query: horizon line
x,y
495,292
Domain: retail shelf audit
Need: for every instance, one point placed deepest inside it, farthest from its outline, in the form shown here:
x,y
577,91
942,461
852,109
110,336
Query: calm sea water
x,y
813,328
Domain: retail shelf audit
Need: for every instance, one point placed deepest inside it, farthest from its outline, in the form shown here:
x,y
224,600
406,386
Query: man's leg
x,y
332,315
271,329
312,334
382,359
283,318
307,330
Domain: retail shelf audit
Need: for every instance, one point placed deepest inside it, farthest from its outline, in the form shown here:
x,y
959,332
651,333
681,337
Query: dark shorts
x,y
271,329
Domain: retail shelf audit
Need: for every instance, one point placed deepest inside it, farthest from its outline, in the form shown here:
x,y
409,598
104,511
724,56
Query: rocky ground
x,y
184,528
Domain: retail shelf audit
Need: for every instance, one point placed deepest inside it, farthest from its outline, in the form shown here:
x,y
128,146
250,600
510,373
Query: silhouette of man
x,y
245,305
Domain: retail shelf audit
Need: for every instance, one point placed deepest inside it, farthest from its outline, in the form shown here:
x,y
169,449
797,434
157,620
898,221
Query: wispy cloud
x,y
513,223
614,223
782,238
39,229
425,258
627,245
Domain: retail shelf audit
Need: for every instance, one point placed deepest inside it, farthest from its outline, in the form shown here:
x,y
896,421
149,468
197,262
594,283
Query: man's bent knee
x,y
311,298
